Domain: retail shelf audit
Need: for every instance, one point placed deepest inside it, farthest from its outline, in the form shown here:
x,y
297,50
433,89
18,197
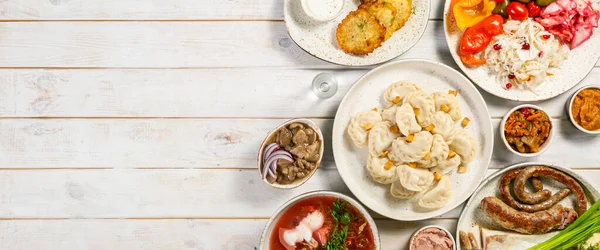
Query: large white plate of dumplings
x,y
399,139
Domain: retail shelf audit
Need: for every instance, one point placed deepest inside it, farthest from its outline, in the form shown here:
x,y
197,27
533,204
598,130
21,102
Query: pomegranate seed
x,y
511,76
508,85
525,46
540,54
546,36
497,46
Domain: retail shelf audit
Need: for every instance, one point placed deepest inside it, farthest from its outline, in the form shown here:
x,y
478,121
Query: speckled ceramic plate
x,y
579,64
367,93
472,217
318,38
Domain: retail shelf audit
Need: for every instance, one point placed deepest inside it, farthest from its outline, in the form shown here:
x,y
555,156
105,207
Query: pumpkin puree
x,y
586,109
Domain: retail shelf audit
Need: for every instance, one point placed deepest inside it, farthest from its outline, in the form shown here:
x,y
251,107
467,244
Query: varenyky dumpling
x,y
423,105
414,179
399,191
439,152
399,90
444,126
403,151
446,166
389,114
380,138
464,145
450,101
406,120
377,168
360,125
438,196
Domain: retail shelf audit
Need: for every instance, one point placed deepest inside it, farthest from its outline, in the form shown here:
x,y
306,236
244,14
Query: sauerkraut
x,y
526,55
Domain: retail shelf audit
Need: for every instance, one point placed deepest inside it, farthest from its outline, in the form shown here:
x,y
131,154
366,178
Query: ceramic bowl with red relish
x,y
527,130
320,220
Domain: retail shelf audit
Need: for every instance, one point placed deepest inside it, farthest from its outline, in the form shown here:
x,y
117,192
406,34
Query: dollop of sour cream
x,y
304,231
323,10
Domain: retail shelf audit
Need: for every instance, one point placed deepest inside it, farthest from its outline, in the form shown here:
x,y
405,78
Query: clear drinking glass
x,y
324,85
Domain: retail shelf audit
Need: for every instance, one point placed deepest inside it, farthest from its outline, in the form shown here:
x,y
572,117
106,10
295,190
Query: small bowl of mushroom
x,y
291,153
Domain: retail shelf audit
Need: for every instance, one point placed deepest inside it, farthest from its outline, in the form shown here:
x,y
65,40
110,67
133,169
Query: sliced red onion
x,y
272,174
271,164
269,149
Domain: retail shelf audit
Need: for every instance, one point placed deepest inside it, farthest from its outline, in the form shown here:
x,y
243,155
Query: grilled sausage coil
x,y
508,198
557,217
543,171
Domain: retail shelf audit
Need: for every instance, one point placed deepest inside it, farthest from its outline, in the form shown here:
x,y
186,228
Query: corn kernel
x,y
452,92
375,109
417,111
462,169
367,127
445,108
451,154
436,176
396,100
426,157
465,121
388,165
385,153
410,138
412,165
430,127
394,129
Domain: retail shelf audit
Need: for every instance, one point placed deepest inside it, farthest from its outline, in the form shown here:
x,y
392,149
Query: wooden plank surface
x,y
223,93
204,143
152,10
167,234
151,194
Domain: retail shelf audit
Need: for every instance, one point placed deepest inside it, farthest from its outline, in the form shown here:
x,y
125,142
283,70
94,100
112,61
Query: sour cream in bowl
x,y
322,10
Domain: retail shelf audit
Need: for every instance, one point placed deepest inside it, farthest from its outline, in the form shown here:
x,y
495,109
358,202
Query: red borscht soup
x,y
322,222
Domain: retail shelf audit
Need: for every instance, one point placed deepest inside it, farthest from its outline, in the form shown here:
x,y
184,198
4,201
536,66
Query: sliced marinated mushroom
x,y
312,152
283,163
284,137
299,151
307,165
300,138
312,136
296,125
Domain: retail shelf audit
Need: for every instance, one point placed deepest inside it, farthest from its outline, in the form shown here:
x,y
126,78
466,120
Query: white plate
x,y
318,38
580,62
472,215
367,93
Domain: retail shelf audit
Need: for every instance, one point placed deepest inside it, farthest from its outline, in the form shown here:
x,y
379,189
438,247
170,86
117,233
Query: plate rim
x,y
463,67
489,143
287,28
593,192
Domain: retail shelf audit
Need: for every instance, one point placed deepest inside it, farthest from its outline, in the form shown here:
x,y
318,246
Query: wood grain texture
x,y
171,45
152,10
204,143
183,193
224,93
168,234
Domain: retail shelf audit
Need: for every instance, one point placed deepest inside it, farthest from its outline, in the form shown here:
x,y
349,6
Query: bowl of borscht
x,y
320,220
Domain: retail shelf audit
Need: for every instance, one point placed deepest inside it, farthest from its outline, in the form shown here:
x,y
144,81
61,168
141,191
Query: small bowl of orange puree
x,y
584,109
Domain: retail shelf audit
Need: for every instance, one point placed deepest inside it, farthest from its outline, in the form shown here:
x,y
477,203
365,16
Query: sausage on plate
x,y
543,171
504,189
557,217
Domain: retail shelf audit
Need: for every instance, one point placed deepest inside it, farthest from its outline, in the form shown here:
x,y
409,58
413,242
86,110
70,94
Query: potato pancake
x,y
403,9
360,33
385,13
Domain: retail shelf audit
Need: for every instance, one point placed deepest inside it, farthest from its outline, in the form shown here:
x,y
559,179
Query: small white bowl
x,y
323,10
266,235
412,238
299,182
570,108
542,148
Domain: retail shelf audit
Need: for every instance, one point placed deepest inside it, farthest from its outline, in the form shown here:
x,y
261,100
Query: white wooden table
x,y
134,124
